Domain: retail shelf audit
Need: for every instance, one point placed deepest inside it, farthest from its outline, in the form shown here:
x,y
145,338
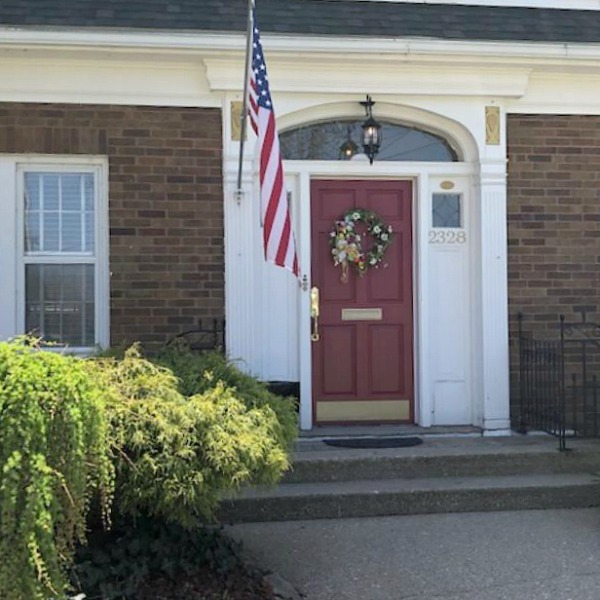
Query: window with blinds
x,y
59,255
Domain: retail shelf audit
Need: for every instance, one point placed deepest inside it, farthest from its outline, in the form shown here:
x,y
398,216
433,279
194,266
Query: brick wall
x,y
165,199
553,221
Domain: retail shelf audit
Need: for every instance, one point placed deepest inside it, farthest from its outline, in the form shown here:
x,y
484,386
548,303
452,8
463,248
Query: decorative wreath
x,y
345,241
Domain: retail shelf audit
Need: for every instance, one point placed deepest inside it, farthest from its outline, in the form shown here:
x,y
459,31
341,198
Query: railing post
x,y
562,440
522,428
595,399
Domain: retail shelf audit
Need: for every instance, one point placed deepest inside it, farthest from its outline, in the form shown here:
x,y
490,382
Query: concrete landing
x,y
444,457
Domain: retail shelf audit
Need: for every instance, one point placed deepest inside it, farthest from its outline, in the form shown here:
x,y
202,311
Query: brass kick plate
x,y
363,410
362,314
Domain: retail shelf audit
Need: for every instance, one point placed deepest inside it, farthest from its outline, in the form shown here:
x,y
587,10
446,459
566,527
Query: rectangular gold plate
x,y
363,410
236,121
362,314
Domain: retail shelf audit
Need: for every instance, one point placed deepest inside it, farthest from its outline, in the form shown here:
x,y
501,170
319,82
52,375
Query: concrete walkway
x,y
526,555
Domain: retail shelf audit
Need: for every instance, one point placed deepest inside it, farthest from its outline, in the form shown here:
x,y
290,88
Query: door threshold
x,y
332,431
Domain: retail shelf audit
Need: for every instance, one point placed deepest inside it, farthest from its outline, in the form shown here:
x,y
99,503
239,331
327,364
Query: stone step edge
x,y
317,457
340,468
376,486
354,499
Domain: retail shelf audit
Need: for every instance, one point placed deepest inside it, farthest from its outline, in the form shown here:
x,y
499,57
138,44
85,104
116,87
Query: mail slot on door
x,y
362,314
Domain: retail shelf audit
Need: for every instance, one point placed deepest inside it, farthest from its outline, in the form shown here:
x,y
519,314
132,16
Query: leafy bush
x,y
72,430
54,455
198,372
178,455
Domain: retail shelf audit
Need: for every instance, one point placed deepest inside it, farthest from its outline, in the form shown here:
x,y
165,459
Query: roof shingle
x,y
315,17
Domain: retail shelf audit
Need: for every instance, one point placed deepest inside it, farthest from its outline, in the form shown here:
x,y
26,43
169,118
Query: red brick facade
x,y
165,199
553,220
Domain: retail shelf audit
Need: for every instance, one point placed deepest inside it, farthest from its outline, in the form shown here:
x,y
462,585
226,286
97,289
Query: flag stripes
x,y
278,238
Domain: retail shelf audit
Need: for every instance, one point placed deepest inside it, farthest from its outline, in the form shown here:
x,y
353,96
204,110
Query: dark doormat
x,y
386,442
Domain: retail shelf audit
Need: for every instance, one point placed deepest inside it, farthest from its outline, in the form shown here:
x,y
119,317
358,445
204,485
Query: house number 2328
x,y
447,237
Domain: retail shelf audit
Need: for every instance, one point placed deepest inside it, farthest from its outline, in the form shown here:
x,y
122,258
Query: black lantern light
x,y
348,149
371,131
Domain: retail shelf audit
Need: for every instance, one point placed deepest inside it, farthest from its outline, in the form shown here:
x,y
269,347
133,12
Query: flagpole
x,y
240,192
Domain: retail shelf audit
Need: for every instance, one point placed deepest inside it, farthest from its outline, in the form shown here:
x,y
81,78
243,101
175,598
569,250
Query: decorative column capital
x,y
493,173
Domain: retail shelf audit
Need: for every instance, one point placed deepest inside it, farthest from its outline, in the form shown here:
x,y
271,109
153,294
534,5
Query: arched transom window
x,y
342,140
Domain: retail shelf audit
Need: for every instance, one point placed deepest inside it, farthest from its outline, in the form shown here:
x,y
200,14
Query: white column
x,y
241,230
494,357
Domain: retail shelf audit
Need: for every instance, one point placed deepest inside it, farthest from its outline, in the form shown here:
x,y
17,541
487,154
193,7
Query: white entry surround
x,y
460,281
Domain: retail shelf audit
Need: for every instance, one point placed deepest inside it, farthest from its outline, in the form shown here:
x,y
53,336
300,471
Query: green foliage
x,y
198,372
75,430
54,456
178,455
116,563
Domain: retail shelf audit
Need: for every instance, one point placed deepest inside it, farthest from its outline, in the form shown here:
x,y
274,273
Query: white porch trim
x,y
494,296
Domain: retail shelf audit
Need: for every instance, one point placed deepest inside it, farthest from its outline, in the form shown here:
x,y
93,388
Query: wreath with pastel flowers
x,y
346,241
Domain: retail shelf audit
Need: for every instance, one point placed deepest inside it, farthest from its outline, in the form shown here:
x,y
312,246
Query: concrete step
x,y
295,501
460,457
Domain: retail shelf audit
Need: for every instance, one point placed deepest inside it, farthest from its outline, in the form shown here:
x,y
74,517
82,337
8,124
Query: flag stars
x,y
259,73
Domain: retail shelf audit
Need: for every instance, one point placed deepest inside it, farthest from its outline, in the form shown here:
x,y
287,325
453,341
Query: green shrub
x,y
198,372
54,456
178,455
72,430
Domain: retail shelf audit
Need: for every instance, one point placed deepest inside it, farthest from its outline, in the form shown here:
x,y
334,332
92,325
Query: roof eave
x,y
185,41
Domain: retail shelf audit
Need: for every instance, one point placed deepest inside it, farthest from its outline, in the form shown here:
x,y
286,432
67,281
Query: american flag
x,y
278,237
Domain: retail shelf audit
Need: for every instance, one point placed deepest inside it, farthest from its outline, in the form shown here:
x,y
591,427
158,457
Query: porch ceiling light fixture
x,y
371,131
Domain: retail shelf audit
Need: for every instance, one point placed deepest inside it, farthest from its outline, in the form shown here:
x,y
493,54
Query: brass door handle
x,y
314,313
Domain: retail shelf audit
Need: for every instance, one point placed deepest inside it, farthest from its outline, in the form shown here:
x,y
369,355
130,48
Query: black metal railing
x,y
541,386
209,335
581,348
558,381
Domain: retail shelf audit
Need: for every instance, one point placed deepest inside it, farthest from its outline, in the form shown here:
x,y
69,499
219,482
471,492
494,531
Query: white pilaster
x,y
494,361
240,264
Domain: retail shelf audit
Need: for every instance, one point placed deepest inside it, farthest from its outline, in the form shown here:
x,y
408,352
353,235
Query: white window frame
x,y
98,166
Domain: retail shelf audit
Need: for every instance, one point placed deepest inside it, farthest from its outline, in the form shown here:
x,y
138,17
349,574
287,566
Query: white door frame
x,y
420,174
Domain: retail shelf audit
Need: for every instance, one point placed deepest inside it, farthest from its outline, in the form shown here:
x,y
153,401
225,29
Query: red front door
x,y
363,358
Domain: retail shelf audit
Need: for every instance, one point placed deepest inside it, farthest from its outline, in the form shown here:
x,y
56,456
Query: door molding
x,y
419,174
